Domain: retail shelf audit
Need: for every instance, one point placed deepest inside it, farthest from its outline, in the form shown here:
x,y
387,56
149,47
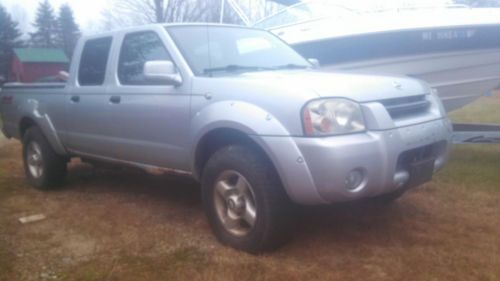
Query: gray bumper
x,y
314,170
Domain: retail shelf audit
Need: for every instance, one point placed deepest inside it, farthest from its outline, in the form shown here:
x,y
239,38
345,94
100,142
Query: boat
x,y
454,48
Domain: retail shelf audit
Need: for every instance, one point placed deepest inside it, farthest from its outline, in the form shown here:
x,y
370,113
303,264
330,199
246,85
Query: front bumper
x,y
315,170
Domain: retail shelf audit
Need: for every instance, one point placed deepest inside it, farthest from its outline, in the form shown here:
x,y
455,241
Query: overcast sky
x,y
88,12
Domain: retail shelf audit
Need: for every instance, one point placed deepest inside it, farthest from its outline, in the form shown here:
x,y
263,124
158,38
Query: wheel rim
x,y
34,160
235,203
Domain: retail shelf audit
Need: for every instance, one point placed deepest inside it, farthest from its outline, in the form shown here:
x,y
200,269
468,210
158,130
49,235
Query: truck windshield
x,y
219,50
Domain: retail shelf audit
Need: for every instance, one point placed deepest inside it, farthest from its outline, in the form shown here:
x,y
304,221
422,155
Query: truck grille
x,y
406,106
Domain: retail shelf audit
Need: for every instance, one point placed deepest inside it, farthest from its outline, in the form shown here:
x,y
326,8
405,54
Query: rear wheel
x,y
44,168
244,200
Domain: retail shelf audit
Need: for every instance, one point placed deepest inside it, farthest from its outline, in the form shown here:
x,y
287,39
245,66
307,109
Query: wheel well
x,y
216,140
25,124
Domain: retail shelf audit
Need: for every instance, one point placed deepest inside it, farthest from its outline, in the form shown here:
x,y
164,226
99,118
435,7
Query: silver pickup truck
x,y
241,112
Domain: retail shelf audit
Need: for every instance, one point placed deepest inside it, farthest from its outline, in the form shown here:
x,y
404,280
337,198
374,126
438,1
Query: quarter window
x,y
137,49
94,61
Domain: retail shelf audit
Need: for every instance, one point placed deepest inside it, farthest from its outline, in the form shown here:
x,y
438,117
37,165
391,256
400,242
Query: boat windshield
x,y
304,11
320,9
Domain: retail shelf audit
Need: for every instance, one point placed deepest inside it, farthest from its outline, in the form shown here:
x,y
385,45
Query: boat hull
x,y
460,77
462,63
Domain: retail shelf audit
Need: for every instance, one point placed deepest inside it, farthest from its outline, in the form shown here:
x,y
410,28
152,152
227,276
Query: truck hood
x,y
358,87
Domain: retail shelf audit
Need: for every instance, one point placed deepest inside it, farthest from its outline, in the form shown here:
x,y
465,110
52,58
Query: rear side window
x,y
93,62
137,49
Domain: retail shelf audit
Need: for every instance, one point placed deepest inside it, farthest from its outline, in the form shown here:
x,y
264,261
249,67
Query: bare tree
x,y
258,9
137,12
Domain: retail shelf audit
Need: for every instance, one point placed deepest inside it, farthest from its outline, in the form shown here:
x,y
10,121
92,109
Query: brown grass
x,y
126,225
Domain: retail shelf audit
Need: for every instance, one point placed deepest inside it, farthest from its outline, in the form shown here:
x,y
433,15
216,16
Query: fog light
x,y
401,178
439,163
354,180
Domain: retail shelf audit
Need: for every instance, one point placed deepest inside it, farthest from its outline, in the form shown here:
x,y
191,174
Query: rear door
x,y
88,104
149,121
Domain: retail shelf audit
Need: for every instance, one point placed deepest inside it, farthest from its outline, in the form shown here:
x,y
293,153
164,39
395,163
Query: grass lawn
x,y
125,225
476,164
484,110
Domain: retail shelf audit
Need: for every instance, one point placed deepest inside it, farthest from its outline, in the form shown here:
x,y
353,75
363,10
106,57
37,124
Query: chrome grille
x,y
406,106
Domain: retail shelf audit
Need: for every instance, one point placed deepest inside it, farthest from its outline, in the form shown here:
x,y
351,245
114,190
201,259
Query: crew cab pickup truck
x,y
241,112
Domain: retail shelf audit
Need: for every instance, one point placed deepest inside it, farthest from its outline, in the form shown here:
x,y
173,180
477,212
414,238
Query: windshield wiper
x,y
291,66
234,68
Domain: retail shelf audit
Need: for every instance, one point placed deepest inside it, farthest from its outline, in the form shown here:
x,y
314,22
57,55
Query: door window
x,y
137,49
94,61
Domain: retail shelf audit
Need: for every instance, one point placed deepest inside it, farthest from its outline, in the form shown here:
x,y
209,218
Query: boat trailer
x,y
476,134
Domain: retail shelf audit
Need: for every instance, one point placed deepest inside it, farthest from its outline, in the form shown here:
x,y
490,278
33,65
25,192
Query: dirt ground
x,y
127,225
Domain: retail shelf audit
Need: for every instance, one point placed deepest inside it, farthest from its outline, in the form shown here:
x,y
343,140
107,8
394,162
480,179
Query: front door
x,y
148,121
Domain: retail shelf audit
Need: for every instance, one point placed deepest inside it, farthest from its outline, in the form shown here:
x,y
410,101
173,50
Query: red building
x,y
31,64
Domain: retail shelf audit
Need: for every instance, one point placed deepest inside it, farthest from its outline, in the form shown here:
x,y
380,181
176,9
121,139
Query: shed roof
x,y
41,55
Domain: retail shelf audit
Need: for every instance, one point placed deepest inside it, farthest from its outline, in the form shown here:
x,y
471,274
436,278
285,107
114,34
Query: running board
x,y
476,133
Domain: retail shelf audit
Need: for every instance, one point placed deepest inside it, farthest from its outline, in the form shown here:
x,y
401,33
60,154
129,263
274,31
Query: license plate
x,y
421,172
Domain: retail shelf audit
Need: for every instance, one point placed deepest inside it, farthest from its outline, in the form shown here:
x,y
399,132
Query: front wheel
x,y
44,168
244,200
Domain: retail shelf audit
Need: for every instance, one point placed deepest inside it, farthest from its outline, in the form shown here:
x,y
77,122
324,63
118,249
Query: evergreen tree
x,y
9,39
45,24
68,31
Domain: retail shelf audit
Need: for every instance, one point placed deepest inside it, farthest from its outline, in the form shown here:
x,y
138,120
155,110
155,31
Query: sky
x,y
88,12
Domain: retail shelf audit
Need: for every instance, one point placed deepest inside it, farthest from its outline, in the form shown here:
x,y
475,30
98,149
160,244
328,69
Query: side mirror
x,y
162,72
315,63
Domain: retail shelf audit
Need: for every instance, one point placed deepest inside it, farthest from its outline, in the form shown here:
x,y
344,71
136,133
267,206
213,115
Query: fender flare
x,y
30,110
252,121
265,131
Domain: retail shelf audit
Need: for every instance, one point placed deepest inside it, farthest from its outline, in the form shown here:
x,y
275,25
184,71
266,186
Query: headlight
x,y
332,117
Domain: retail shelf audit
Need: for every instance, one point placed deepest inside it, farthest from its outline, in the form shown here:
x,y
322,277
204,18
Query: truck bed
x,y
15,99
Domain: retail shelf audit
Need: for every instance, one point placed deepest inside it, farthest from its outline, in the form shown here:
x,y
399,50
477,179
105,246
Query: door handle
x,y
115,99
75,99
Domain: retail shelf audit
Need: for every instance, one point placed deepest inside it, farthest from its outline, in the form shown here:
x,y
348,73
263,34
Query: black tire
x,y
53,166
273,208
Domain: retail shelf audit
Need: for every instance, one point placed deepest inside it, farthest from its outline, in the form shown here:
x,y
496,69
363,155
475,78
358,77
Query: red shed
x,y
31,64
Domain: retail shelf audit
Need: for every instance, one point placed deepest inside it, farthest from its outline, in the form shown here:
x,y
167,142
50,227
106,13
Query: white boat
x,y
456,49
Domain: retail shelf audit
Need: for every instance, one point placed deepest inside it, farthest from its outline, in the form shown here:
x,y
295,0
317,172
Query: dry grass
x,y
125,225
484,110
